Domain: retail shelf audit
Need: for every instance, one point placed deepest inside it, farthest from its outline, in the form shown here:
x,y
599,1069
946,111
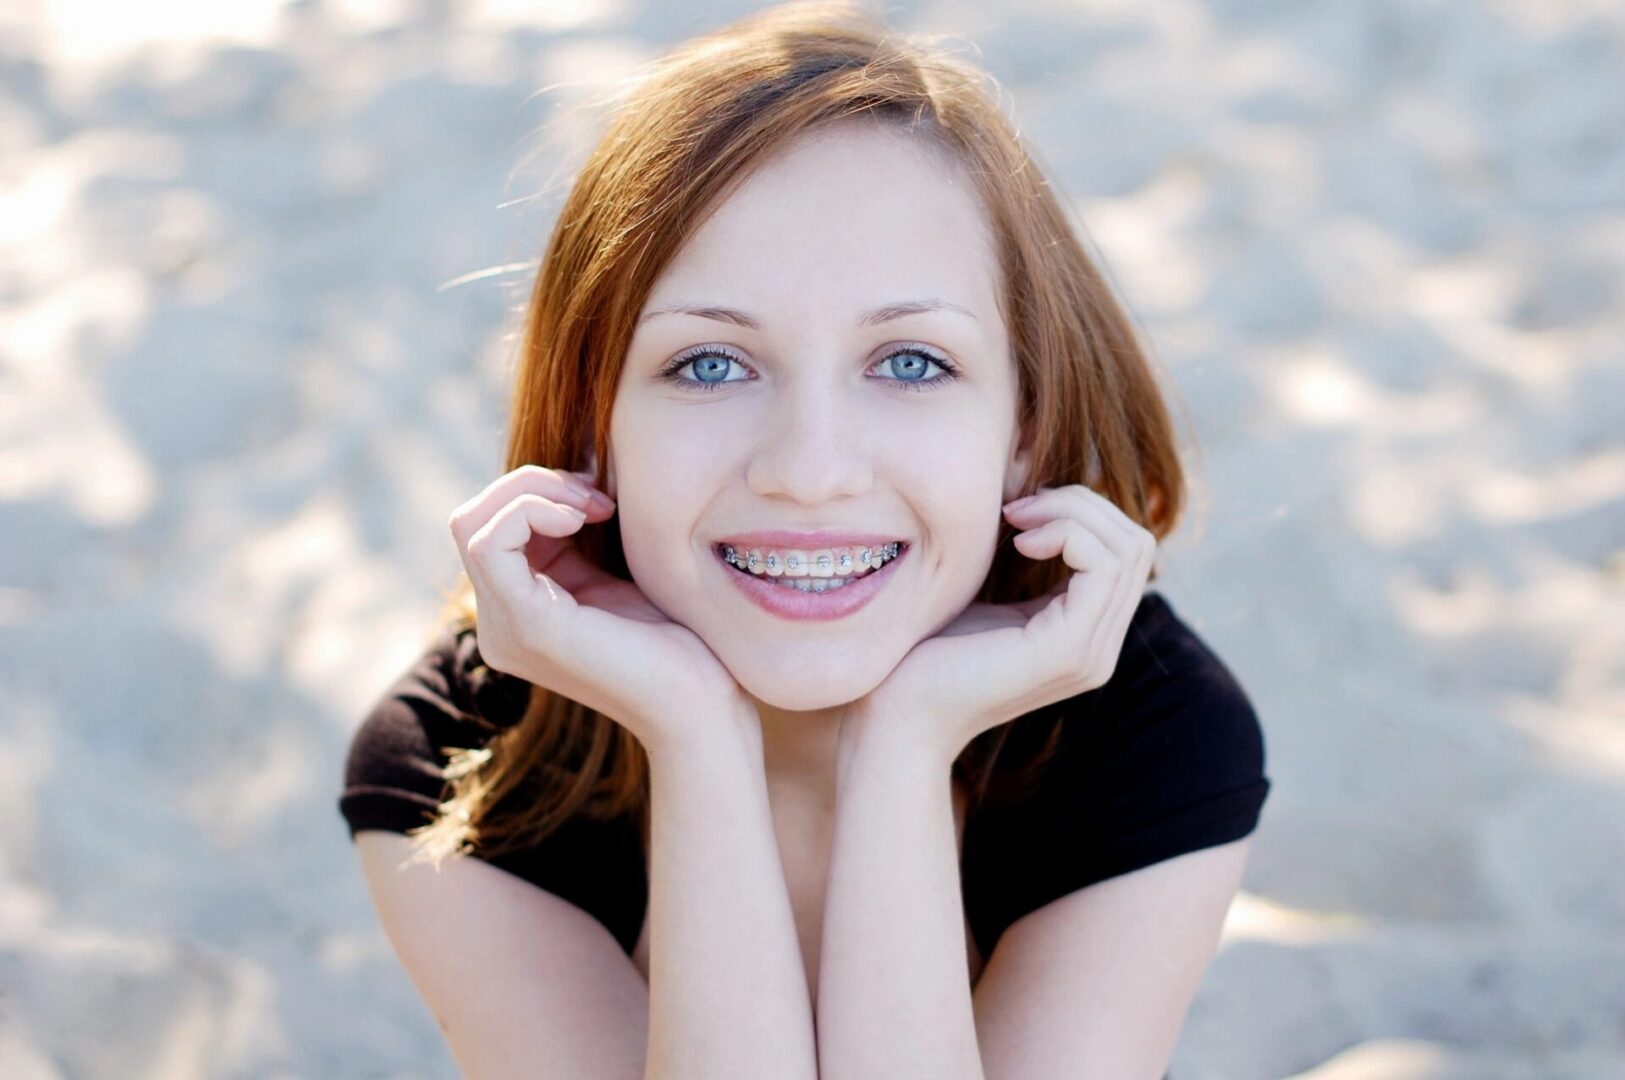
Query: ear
x,y
590,456
1017,470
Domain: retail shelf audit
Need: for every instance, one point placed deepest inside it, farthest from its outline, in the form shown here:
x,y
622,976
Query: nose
x,y
811,448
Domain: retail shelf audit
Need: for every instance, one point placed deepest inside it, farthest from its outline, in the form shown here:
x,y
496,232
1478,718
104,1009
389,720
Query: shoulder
x,y
1167,757
1162,650
1172,697
445,699
1169,698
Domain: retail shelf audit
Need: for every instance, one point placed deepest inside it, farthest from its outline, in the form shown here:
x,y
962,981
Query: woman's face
x,y
819,419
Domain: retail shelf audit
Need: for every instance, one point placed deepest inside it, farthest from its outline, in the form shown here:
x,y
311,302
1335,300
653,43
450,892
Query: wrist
x,y
700,732
873,728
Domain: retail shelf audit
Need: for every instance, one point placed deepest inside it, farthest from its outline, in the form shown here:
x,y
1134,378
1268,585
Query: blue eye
x,y
714,360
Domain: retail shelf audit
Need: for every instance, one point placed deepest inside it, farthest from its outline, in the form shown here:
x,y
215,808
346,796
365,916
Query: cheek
x,y
661,498
955,488
652,532
665,452
952,474
661,564
643,512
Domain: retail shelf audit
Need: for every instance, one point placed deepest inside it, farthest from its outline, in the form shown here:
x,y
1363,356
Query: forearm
x,y
727,986
894,994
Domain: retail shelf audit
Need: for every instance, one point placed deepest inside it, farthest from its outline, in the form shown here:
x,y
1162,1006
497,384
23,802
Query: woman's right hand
x,y
549,616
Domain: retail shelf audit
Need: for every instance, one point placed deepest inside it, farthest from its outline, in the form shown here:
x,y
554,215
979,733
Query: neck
x,y
799,751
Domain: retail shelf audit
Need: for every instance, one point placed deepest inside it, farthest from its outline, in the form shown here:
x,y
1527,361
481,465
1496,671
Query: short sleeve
x,y
394,767
394,780
1166,758
1174,761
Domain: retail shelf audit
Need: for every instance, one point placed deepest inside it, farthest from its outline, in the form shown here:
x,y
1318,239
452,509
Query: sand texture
x,y
257,269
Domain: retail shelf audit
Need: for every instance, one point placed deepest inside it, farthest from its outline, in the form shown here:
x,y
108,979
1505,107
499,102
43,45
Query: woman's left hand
x,y
996,662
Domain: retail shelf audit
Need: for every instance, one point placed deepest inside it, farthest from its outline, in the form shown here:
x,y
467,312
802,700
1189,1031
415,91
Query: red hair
x,y
683,134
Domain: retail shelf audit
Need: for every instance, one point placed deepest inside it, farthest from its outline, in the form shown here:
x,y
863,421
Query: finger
x,y
573,571
1062,504
1086,505
1098,630
586,476
1095,595
589,481
1080,549
496,553
1142,541
1095,566
1135,545
553,484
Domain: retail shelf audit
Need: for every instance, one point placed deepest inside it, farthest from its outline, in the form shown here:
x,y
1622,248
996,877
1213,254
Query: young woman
x,y
785,739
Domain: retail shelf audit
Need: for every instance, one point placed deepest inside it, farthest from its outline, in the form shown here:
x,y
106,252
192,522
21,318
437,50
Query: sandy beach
x,y
258,277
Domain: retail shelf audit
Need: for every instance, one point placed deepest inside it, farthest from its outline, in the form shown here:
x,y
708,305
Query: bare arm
x,y
525,984
522,983
727,987
894,995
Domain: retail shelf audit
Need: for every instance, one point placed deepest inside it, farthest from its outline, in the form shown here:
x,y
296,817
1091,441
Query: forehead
x,y
842,216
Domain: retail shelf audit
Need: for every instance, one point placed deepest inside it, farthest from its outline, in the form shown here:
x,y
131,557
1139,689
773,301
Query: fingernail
x,y
602,499
1018,504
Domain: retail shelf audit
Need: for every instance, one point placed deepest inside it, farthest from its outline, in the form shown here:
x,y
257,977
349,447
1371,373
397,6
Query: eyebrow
x,y
884,313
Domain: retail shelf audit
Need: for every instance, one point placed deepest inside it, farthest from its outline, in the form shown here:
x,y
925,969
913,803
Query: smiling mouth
x,y
828,576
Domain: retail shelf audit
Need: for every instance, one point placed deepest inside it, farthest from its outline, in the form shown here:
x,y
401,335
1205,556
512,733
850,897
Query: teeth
x,y
812,571
809,584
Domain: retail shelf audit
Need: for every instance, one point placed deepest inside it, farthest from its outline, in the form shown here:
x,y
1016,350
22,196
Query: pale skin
x,y
805,834
814,428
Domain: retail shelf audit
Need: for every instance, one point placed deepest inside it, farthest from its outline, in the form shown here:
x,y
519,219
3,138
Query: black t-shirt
x,y
1166,758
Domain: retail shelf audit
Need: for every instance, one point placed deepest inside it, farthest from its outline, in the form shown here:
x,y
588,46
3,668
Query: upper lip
x,y
790,539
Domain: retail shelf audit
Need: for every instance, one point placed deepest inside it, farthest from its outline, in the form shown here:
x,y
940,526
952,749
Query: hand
x,y
549,616
996,662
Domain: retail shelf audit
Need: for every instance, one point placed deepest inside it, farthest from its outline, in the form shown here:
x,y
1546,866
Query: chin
x,y
810,687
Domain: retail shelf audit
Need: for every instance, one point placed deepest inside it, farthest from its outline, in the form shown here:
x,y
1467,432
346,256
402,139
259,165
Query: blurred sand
x,y
1378,247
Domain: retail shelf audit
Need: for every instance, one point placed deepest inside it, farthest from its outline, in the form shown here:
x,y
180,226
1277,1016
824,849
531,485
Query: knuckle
x,y
532,472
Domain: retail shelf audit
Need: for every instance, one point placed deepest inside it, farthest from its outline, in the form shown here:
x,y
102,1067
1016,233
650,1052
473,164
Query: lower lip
x,y
788,603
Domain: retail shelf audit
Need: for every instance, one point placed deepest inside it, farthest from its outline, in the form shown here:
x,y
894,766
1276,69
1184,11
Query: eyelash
x,y
682,360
